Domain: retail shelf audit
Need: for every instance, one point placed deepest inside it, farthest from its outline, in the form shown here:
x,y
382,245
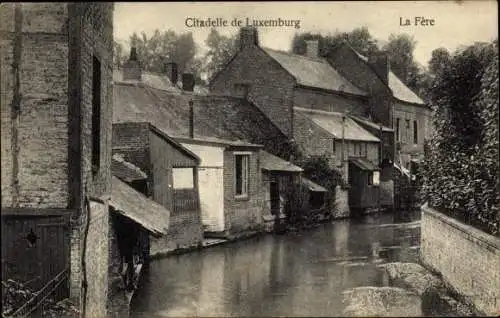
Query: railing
x,y
50,288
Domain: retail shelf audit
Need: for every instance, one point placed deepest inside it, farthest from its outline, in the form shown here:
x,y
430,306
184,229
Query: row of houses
x,y
104,168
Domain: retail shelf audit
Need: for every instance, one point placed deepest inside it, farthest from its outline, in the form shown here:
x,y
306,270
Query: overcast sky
x,y
455,23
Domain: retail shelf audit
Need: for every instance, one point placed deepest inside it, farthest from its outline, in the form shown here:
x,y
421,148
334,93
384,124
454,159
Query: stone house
x,y
291,90
187,113
391,103
230,185
167,173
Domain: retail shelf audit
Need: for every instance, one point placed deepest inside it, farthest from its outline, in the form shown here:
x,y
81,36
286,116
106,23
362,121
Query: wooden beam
x,y
36,211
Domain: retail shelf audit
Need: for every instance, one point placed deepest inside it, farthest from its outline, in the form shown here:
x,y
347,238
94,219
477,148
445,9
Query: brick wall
x,y
132,141
96,260
422,115
467,258
329,101
34,99
242,215
271,88
311,139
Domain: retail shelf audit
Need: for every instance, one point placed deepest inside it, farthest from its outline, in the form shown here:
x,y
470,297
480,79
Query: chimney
x,y
171,70
248,37
191,119
379,61
312,48
187,82
132,68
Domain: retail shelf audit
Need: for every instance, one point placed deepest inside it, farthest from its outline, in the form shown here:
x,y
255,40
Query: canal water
x,y
308,273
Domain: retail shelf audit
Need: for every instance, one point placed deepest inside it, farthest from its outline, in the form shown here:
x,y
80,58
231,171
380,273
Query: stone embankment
x,y
409,290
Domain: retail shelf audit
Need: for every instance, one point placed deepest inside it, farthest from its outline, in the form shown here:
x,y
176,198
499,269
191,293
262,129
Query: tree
x,y
360,39
461,168
400,49
439,58
163,47
220,50
118,54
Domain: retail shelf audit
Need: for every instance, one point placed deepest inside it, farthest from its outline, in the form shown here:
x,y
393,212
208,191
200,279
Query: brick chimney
x,y
379,61
248,37
312,48
170,69
187,82
132,68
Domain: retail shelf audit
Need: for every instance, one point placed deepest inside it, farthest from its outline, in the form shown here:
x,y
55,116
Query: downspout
x,y
86,211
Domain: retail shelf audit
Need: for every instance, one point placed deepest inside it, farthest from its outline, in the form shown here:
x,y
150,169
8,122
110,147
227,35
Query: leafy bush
x,y
460,172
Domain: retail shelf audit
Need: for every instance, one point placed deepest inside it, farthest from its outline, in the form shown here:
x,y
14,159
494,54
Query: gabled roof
x,y
370,123
156,80
216,141
221,117
270,162
398,88
134,205
332,123
313,186
314,72
126,171
364,164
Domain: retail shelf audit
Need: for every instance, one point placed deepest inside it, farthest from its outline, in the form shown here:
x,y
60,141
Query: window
x,y
366,151
96,115
407,131
397,130
183,178
241,175
374,178
415,132
334,148
241,90
360,149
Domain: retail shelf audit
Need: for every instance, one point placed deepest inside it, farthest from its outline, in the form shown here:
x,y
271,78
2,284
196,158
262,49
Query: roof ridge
x,y
315,59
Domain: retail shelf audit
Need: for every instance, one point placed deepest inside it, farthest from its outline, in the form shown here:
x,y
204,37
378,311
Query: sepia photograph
x,y
250,159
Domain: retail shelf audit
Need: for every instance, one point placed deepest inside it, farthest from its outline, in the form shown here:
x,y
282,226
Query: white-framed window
x,y
183,178
374,178
241,172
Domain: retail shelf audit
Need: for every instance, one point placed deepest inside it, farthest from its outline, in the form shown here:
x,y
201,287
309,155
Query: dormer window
x,y
241,90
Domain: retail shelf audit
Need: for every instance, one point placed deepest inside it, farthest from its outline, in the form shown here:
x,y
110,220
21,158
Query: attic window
x,y
241,90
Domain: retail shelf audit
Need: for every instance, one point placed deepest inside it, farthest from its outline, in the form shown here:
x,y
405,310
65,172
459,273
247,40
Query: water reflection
x,y
299,274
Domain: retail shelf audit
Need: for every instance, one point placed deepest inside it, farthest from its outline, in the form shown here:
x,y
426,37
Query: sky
x,y
455,22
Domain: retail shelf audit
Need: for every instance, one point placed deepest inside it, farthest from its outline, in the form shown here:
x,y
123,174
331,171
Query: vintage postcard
x,y
250,159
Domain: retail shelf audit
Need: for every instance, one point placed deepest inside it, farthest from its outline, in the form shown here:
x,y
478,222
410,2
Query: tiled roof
x,y
364,164
270,162
156,80
134,205
370,123
314,72
313,186
125,170
332,123
399,89
214,140
221,117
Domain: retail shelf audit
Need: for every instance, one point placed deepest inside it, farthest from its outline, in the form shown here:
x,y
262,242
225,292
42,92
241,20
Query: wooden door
x,y
275,198
34,248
